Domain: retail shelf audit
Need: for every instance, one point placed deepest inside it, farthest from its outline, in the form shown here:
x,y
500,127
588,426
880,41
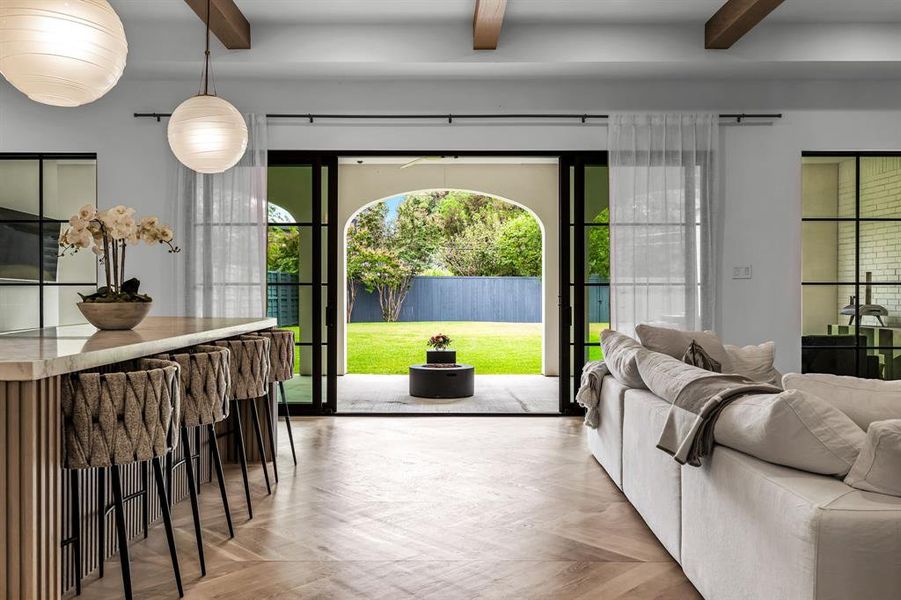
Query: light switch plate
x,y
741,272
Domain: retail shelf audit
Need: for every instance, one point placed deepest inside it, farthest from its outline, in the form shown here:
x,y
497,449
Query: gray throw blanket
x,y
589,394
688,432
698,397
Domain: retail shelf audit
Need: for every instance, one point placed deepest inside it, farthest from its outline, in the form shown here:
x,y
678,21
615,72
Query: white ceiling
x,y
518,11
541,39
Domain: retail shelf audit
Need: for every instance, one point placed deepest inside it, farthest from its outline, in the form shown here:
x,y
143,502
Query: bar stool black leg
x,y
217,462
76,526
197,469
121,533
281,388
167,521
255,417
101,520
145,500
192,488
170,468
239,440
268,412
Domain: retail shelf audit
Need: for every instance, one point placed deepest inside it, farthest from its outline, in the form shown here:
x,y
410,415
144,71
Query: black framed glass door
x,y
302,272
585,267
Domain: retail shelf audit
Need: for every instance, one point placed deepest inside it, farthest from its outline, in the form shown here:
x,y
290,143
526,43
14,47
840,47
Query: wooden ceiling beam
x,y
227,22
734,20
486,23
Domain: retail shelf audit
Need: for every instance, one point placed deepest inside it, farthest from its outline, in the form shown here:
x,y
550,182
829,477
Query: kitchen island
x,y
32,363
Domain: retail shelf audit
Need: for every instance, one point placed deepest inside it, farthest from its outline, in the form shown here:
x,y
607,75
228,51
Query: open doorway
x,y
455,247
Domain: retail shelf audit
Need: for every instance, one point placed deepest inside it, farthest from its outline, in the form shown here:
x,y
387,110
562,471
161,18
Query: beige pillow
x,y
620,357
864,400
794,428
755,362
878,468
675,342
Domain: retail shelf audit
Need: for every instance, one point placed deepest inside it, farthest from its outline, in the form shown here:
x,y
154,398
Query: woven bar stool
x,y
205,382
281,369
249,368
117,417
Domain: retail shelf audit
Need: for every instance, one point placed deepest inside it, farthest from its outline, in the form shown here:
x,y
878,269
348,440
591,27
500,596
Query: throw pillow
x,y
620,352
755,362
864,400
697,357
794,428
878,468
675,343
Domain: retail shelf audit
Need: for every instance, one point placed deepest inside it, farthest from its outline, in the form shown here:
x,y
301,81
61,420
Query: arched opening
x,y
461,262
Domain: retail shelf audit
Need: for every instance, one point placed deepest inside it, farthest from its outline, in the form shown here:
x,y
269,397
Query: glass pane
x,y
19,251
60,305
300,389
597,305
290,194
305,313
828,186
597,194
324,203
880,186
286,246
822,308
68,185
880,252
595,353
820,355
880,312
572,196
80,267
19,189
889,363
597,254
19,307
283,304
827,251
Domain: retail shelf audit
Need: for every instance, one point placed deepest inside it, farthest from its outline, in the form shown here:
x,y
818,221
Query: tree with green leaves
x,y
518,247
599,247
366,234
284,249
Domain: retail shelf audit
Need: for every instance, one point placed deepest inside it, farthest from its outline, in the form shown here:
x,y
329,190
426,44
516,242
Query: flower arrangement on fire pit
x,y
118,304
440,355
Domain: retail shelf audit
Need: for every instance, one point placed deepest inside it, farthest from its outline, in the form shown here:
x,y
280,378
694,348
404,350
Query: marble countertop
x,y
39,353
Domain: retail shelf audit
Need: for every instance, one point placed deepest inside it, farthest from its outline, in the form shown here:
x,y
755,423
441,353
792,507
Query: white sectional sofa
x,y
743,528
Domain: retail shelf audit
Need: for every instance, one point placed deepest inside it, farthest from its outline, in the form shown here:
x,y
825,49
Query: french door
x,y
584,267
302,272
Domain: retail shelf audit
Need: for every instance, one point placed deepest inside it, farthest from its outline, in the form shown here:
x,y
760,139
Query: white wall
x,y
534,186
762,167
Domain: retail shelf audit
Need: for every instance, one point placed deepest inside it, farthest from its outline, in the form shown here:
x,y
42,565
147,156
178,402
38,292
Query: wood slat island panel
x,y
31,491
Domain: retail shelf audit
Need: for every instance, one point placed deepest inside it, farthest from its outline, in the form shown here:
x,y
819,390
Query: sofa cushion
x,y
651,478
755,530
606,442
620,357
864,400
675,342
878,467
794,428
755,362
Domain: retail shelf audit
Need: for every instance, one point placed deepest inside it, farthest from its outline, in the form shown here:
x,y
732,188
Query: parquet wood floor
x,y
409,507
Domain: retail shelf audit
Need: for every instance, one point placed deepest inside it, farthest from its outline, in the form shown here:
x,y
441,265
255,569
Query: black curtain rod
x,y
584,118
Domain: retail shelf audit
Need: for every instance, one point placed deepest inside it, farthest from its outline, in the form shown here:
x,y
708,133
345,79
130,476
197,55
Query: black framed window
x,y
38,194
851,265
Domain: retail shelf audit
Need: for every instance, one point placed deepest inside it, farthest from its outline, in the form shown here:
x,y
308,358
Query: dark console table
x,y
428,381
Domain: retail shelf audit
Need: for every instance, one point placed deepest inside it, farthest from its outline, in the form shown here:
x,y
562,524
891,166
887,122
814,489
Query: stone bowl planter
x,y
441,357
114,315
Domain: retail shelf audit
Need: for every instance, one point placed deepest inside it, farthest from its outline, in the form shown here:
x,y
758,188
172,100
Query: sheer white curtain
x,y
664,220
222,221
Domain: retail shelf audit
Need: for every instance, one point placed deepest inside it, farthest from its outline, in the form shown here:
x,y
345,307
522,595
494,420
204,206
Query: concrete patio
x,y
514,394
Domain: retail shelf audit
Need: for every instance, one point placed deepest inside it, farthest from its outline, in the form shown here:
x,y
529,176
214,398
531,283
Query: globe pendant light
x,y
61,52
206,133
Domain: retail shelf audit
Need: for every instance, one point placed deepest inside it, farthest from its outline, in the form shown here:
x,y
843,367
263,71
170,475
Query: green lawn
x,y
493,348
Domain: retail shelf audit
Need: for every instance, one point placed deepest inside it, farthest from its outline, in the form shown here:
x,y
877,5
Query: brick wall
x,y
880,243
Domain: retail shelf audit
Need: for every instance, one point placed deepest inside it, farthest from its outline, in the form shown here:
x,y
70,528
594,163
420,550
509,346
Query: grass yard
x,y
493,348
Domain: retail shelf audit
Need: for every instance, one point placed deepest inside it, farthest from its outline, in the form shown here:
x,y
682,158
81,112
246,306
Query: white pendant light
x,y
61,52
206,133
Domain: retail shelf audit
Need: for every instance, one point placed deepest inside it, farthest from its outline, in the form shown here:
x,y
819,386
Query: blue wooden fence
x,y
493,299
